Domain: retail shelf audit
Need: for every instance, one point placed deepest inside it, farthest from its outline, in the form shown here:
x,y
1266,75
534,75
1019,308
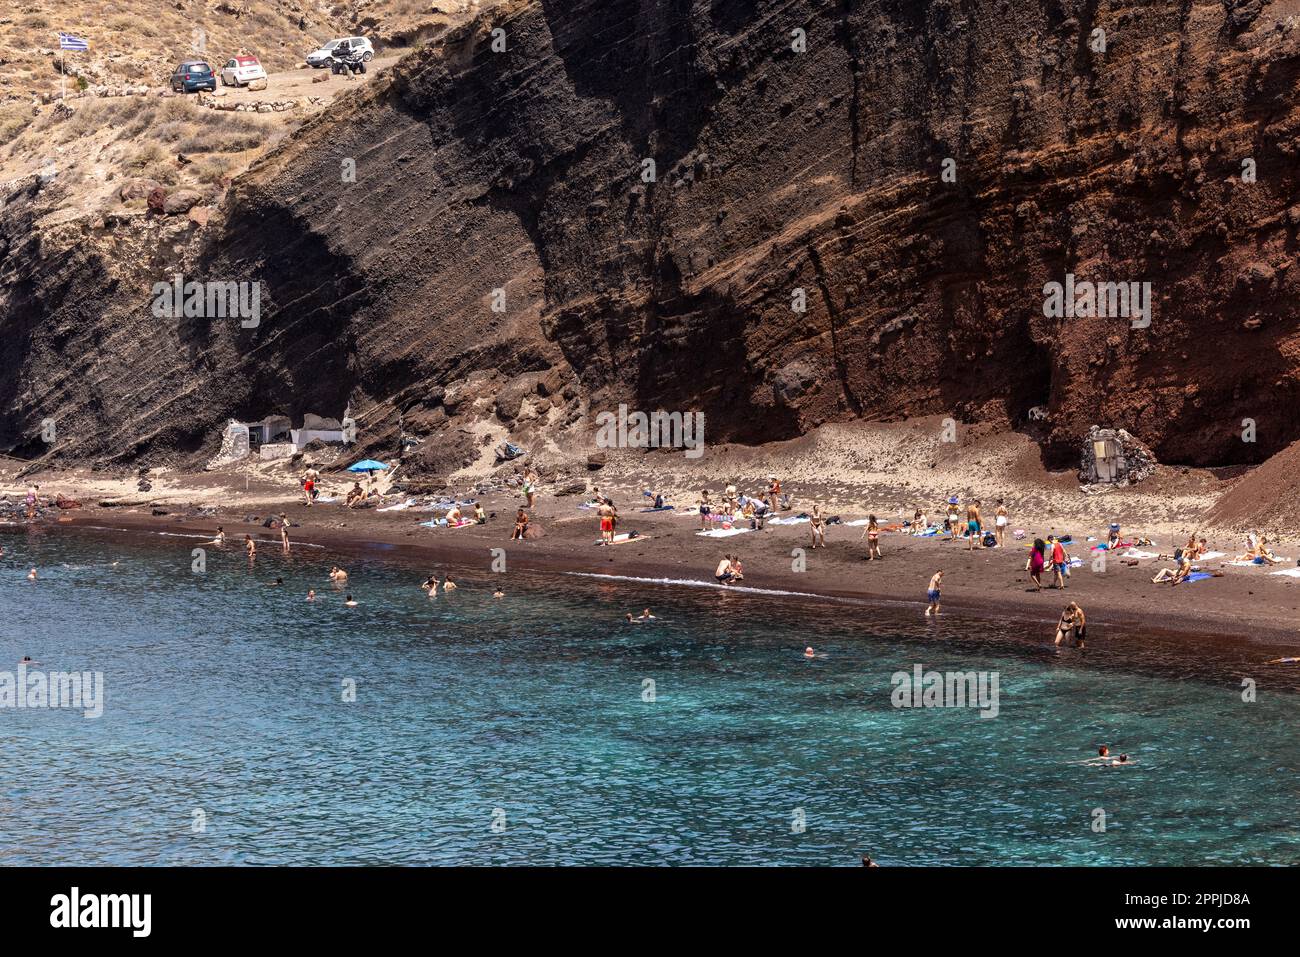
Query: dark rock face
x,y
797,257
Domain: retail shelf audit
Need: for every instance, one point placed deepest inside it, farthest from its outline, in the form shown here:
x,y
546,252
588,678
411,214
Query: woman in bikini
x,y
872,534
818,526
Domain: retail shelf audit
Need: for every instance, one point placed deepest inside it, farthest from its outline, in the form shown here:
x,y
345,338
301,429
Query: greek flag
x,y
68,42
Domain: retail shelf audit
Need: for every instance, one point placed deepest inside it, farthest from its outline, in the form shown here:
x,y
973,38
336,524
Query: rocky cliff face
x,y
633,200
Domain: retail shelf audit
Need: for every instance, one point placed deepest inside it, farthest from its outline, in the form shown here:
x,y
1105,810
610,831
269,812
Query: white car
x,y
241,70
323,56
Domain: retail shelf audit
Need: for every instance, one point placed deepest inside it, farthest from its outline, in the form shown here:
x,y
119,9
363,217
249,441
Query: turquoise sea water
x,y
516,731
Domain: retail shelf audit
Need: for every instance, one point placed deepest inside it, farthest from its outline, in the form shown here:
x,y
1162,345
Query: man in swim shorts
x,y
606,513
932,593
723,573
972,525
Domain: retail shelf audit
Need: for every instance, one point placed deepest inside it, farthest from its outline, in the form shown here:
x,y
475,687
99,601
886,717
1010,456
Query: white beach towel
x,y
1288,572
724,532
1135,553
396,508
858,521
1210,555
786,521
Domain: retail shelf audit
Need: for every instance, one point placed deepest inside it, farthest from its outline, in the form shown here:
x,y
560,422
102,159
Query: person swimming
x,y
448,585
31,575
338,575
278,581
220,538
809,653
500,594
311,594
350,602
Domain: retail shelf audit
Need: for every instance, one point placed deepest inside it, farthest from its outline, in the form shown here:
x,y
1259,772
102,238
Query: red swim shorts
x,y
606,524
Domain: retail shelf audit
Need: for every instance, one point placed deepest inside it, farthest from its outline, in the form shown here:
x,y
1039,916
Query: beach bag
x,y
990,540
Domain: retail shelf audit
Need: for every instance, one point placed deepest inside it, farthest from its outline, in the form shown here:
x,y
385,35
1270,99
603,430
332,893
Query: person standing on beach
x,y
818,526
31,500
1000,522
872,534
705,509
1034,565
1058,562
284,532
773,493
530,487
606,513
973,525
950,522
932,593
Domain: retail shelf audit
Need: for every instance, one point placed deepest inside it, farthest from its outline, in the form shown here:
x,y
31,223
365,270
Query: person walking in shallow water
x,y
932,593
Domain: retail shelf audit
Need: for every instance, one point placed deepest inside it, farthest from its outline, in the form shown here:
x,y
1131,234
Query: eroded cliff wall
x,y
796,146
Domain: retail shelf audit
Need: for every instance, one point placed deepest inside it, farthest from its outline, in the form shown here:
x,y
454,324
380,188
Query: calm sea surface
x,y
527,731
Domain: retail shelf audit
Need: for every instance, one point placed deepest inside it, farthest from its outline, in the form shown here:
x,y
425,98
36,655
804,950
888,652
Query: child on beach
x,y
705,509
932,593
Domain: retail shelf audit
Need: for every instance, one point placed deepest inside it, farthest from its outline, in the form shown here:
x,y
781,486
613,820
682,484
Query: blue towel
x,y
1197,576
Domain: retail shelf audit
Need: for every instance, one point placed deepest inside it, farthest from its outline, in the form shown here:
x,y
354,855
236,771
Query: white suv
x,y
323,56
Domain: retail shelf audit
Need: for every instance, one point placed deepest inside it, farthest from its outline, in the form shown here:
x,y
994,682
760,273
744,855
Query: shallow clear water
x,y
225,695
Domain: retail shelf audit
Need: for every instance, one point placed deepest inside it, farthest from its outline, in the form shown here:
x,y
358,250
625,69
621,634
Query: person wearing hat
x,y
773,492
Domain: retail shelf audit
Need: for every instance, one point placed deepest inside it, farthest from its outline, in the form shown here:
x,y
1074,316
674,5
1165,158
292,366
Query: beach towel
x,y
1135,553
658,508
724,532
622,537
787,521
1197,576
434,523
326,498
858,521
1209,555
396,508
1288,572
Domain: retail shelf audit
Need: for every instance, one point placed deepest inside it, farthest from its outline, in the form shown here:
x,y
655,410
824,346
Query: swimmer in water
x,y
350,602
1292,660
250,546
31,575
500,594
809,653
311,594
278,581
646,616
448,585
220,538
338,575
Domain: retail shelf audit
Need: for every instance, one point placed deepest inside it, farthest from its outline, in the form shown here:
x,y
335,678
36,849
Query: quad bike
x,y
349,62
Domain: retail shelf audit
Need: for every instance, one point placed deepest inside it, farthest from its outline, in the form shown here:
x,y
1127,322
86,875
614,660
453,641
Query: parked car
x,y
193,75
240,70
355,45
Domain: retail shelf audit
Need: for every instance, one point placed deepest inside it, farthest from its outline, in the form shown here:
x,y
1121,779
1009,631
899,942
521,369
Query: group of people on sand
x,y
729,570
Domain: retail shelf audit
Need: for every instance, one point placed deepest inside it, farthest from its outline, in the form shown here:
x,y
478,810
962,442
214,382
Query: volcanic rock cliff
x,y
633,199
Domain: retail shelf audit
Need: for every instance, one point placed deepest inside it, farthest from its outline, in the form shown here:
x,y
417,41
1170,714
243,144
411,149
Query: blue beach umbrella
x,y
367,465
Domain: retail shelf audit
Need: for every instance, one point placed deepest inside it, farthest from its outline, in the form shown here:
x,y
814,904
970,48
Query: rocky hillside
x,y
657,187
